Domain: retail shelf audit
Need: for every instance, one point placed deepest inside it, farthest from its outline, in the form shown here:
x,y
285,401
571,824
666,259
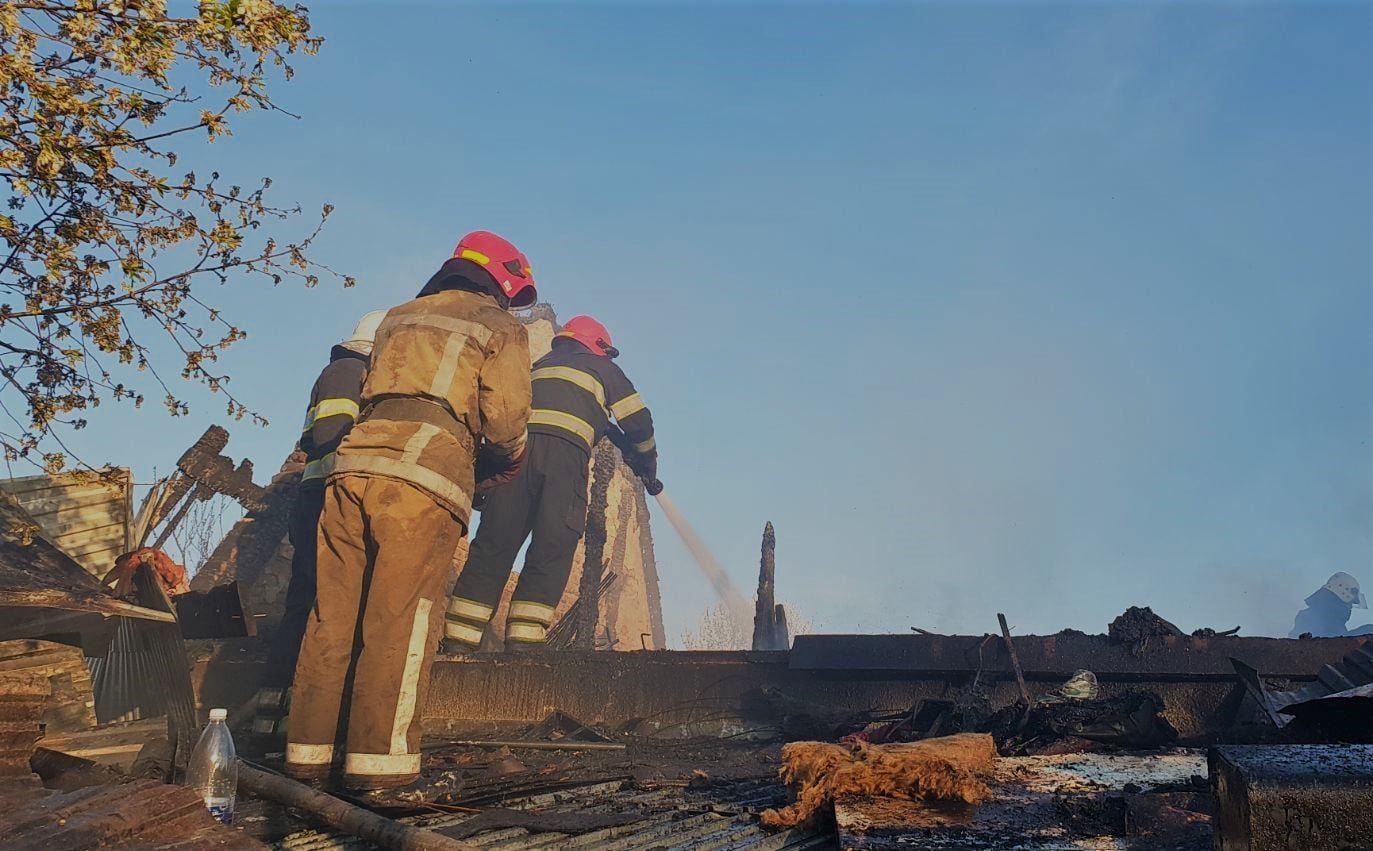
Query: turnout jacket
x,y
576,393
335,402
448,392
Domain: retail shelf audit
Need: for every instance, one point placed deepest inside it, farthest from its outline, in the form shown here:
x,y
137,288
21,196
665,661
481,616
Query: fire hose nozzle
x,y
653,486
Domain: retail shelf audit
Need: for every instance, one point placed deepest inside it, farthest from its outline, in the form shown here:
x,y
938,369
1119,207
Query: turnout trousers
x,y
303,532
385,566
547,498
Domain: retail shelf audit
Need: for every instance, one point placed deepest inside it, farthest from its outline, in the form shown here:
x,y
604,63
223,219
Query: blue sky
x,y
1034,308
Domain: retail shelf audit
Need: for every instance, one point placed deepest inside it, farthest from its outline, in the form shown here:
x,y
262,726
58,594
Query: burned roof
x,y
35,574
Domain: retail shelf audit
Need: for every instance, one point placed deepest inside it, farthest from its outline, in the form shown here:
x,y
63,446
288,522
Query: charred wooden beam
x,y
1292,797
593,565
204,463
781,632
765,605
770,630
252,551
342,815
1057,657
217,613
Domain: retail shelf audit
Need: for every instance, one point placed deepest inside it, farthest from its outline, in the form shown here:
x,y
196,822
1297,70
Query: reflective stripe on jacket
x,y
576,393
334,406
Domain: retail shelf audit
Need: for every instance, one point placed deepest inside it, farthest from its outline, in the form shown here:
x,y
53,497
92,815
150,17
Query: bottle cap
x,y
218,714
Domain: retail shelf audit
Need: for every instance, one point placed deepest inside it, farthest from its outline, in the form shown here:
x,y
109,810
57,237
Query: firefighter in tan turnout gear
x,y
577,390
445,408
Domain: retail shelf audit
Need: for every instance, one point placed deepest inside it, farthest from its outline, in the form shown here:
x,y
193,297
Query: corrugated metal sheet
x,y
664,819
87,520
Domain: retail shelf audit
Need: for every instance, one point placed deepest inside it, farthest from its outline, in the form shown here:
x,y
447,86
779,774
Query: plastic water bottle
x,y
213,771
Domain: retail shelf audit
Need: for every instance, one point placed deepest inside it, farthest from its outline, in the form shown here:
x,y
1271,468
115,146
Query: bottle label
x,y
222,809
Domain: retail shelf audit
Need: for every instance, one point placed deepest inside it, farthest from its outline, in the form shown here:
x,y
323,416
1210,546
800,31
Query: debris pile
x,y
1137,626
1131,720
952,768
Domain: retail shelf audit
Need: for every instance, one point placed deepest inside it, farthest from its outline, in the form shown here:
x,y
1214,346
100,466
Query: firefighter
x,y
333,409
445,407
577,389
1328,610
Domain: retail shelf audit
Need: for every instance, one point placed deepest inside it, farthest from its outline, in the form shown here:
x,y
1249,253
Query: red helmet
x,y
506,263
591,334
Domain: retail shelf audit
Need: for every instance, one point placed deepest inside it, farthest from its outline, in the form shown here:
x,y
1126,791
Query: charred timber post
x,y
765,608
342,815
593,564
1015,662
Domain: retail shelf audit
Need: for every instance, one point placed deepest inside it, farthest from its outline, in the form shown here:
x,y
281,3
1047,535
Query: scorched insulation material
x,y
952,768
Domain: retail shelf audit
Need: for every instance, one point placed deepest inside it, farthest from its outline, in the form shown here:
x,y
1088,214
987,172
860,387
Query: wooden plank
x,y
57,599
58,515
29,489
90,631
94,536
69,520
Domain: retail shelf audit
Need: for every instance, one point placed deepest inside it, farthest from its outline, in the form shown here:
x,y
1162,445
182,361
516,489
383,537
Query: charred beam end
x,y
1292,797
204,463
781,632
210,444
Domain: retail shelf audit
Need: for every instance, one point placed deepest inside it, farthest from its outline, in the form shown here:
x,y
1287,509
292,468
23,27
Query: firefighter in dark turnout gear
x,y
333,409
577,389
